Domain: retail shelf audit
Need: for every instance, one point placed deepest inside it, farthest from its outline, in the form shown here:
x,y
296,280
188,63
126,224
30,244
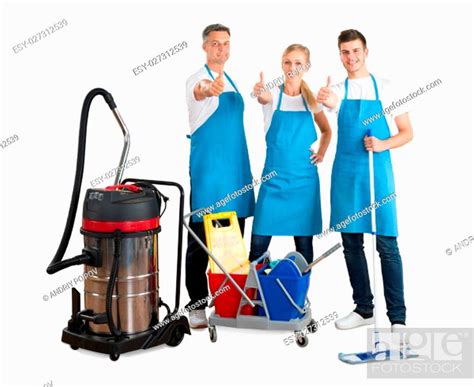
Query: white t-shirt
x,y
200,111
363,88
288,103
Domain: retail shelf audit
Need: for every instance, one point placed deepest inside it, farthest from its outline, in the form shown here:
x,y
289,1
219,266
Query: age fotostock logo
x,y
441,353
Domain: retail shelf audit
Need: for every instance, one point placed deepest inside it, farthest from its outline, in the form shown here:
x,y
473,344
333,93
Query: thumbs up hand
x,y
326,96
217,86
263,96
259,86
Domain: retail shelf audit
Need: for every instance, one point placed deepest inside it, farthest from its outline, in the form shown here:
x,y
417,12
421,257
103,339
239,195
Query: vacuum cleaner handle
x,y
57,263
180,227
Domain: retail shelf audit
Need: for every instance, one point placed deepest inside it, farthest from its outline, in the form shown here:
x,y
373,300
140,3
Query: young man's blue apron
x,y
350,187
289,203
219,160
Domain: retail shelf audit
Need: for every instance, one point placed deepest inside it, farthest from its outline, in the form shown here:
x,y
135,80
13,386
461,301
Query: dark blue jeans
x,y
392,274
259,245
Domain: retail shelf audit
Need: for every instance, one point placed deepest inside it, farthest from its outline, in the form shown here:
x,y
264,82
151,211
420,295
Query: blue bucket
x,y
296,284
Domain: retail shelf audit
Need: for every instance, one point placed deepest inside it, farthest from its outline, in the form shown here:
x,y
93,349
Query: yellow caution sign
x,y
224,240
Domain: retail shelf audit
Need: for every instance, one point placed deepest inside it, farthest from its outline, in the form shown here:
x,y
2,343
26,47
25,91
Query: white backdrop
x,y
43,87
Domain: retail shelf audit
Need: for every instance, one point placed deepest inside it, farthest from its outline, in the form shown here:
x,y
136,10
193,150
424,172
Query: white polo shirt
x,y
200,111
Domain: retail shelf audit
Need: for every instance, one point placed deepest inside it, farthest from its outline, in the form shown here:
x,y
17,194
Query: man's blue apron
x,y
350,189
219,160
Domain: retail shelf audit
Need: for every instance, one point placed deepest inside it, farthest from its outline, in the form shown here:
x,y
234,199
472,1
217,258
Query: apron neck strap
x,y
209,71
375,87
281,95
228,78
346,87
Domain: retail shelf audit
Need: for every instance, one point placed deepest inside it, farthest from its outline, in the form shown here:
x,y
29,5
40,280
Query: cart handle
x,y
292,302
189,214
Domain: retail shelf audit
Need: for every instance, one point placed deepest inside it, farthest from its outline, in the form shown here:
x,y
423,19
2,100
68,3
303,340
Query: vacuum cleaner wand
x,y
126,146
87,255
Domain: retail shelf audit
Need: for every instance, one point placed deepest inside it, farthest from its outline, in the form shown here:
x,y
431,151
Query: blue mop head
x,y
368,357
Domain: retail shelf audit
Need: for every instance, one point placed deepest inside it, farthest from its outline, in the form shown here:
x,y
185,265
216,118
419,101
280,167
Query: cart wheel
x,y
114,356
312,326
176,336
302,340
213,334
74,347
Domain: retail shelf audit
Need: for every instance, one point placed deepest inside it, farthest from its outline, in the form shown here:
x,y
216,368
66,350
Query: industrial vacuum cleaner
x,y
120,226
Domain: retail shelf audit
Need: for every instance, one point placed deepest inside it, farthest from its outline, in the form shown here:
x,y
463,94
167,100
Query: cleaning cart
x,y
272,295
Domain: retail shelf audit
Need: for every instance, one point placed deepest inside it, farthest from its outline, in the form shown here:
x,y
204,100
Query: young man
x,y
219,161
355,100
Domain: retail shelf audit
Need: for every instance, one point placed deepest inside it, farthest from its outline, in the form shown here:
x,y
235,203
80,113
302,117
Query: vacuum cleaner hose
x,y
110,287
56,263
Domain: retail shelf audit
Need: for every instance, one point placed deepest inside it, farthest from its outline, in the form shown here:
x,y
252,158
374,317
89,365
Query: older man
x,y
219,162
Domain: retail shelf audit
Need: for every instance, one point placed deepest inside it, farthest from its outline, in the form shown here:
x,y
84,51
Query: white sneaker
x,y
399,333
353,320
198,318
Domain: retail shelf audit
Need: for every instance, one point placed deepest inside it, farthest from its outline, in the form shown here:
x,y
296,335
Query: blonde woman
x,y
289,204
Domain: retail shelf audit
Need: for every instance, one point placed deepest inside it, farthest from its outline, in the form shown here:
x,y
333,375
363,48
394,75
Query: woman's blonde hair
x,y
305,90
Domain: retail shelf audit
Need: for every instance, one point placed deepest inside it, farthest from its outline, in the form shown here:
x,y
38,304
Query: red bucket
x,y
227,302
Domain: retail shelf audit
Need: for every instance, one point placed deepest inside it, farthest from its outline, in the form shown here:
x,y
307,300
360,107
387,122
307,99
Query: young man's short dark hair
x,y
350,35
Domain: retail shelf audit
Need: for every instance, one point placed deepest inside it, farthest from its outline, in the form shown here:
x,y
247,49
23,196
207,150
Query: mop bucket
x,y
227,244
227,302
285,288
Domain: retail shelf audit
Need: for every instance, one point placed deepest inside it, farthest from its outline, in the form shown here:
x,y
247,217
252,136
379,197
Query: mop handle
x,y
372,189
374,230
